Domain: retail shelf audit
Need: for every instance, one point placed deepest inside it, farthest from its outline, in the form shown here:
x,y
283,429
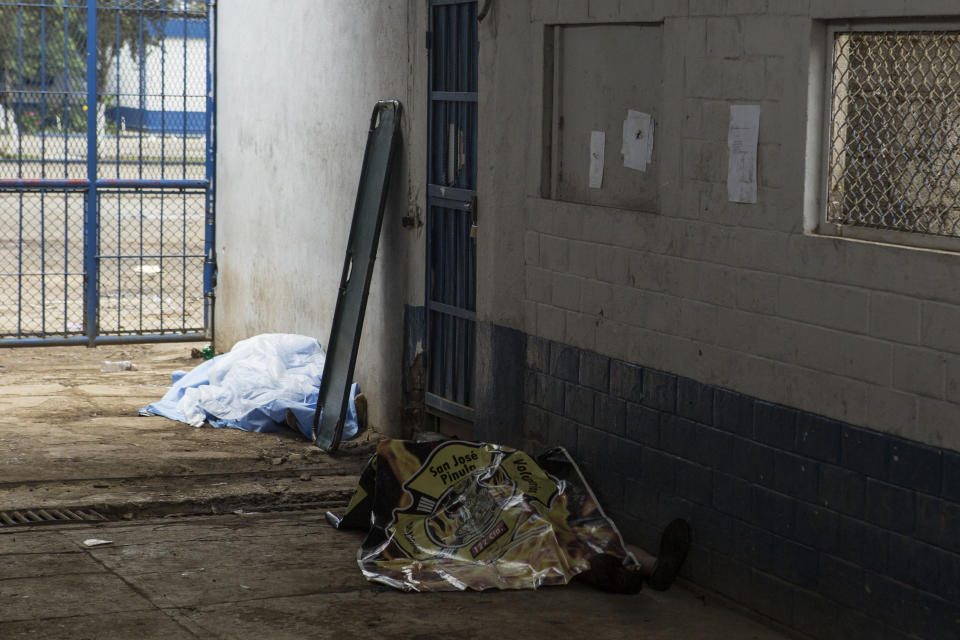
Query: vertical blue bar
x,y
20,92
20,269
66,107
209,245
43,170
66,170
91,209
163,108
116,47
119,196
142,103
183,169
183,228
43,93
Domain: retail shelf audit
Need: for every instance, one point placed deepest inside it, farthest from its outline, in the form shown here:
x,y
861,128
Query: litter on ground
x,y
266,383
96,542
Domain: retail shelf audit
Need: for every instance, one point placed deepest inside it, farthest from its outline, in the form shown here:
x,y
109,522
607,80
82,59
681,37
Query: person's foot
x,y
291,421
674,546
608,574
360,404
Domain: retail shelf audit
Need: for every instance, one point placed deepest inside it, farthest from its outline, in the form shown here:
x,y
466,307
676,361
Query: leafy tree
x,y
49,44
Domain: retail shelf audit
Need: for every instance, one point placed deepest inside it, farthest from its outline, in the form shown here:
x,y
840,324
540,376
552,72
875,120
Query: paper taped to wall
x,y
598,140
637,146
742,143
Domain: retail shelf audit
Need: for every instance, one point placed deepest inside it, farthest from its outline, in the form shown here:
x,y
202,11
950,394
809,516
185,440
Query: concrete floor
x,y
220,533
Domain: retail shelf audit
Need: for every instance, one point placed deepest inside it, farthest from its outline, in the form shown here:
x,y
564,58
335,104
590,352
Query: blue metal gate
x,y
106,171
451,208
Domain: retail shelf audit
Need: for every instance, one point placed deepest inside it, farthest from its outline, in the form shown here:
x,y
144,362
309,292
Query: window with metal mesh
x,y
894,144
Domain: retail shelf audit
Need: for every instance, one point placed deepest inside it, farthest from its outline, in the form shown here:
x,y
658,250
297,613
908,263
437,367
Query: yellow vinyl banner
x,y
463,515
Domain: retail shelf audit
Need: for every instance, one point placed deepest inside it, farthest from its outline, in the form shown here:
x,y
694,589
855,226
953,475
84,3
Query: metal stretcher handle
x,y
379,108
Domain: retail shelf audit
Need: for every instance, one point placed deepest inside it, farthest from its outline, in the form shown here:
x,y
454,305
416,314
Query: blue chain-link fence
x,y
106,170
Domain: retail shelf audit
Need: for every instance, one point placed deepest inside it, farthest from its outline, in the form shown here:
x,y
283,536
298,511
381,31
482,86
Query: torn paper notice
x,y
742,143
637,146
598,140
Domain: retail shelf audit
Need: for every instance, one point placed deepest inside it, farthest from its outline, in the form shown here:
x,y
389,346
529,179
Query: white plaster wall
x,y
296,84
730,294
505,156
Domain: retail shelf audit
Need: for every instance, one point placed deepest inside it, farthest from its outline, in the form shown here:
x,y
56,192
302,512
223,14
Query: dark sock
x,y
608,574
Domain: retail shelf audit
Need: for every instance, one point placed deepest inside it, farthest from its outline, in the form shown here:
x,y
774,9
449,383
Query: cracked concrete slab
x,y
288,574
68,594
293,576
65,420
141,624
35,565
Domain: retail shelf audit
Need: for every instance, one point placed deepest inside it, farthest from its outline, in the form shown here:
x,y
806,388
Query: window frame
x,y
825,227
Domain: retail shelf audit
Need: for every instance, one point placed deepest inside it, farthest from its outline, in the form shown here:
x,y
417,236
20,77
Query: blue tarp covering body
x,y
253,386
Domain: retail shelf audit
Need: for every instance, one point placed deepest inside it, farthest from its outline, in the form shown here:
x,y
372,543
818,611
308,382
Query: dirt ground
x,y
70,435
220,533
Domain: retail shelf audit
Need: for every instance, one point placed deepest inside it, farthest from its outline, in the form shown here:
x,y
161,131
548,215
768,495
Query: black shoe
x,y
674,546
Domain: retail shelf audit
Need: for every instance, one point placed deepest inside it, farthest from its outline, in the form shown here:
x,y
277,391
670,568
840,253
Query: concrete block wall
x,y
739,295
835,530
794,395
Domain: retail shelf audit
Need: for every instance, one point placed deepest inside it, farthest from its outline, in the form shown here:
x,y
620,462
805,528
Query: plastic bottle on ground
x,y
110,366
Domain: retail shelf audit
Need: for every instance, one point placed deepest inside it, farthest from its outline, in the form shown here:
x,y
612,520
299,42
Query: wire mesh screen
x,y
895,131
152,93
41,263
43,90
151,261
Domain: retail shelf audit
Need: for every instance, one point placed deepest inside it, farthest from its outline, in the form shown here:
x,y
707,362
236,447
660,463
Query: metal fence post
x,y
209,250
91,209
